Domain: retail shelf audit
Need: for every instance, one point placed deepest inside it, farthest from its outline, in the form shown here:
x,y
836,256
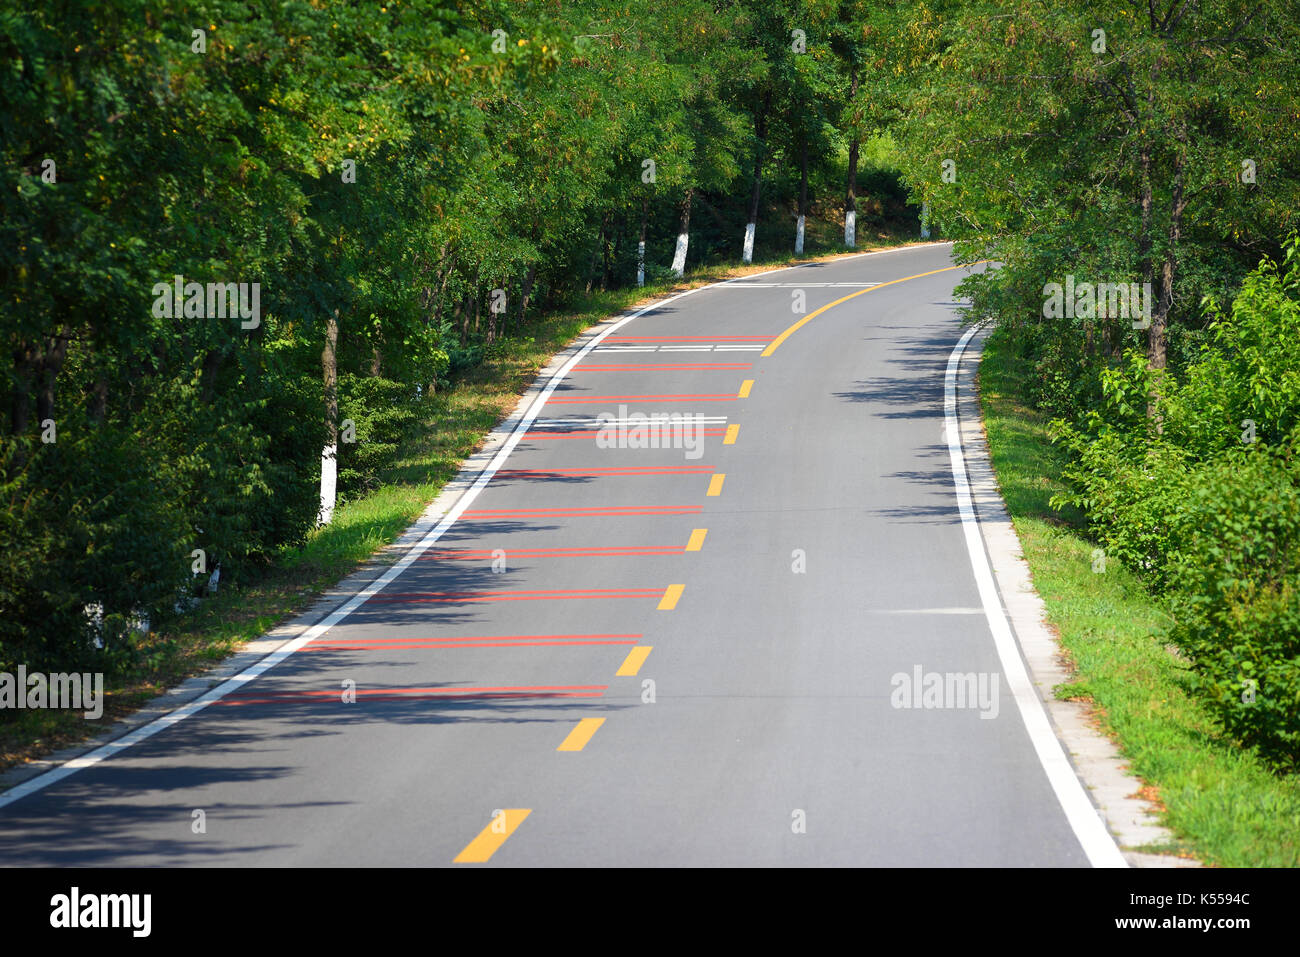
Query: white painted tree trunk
x,y
748,255
640,263
329,481
925,220
798,238
679,256
850,228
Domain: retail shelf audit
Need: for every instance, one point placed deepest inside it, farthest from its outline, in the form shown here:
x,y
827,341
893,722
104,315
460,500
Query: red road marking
x,y
669,367
484,554
402,643
473,641
491,514
621,639
592,433
610,470
439,597
710,397
688,339
522,691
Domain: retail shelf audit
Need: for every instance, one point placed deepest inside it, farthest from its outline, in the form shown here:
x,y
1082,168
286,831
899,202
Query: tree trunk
x,y
803,195
1146,204
439,296
683,234
760,131
1157,342
851,194
640,246
329,455
99,400
606,275
610,255
595,259
20,408
526,290
212,361
55,352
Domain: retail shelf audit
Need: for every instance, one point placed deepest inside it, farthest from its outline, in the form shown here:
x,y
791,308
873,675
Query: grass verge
x,y
1220,801
452,426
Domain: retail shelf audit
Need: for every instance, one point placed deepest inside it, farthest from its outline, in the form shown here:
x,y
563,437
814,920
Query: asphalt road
x,y
760,728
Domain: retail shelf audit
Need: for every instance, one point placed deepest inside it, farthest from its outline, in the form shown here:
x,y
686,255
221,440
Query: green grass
x,y
1220,801
452,426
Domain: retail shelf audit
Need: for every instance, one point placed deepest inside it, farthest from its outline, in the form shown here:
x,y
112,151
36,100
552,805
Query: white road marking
x,y
1085,820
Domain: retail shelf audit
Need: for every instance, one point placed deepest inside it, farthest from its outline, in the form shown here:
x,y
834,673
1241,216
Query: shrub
x,y
1206,516
382,412
1235,582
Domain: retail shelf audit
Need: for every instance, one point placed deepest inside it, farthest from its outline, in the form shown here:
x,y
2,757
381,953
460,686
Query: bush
x,y
382,412
1235,582
1207,516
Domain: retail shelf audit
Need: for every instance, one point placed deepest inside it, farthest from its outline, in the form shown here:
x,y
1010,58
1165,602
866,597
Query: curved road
x,y
654,656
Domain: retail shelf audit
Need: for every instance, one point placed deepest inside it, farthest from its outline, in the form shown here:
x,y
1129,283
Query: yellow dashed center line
x,y
579,736
715,483
732,432
631,665
696,541
776,343
493,836
671,594
749,383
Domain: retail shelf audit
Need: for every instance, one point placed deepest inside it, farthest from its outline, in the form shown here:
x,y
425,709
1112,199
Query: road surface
x,y
641,656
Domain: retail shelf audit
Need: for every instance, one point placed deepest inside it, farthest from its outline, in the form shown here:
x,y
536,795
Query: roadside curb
x,y
1097,761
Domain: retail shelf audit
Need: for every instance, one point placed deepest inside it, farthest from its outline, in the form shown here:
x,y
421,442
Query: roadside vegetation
x,y
1225,804
1134,173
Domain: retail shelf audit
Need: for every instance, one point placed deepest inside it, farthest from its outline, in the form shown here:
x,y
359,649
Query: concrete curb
x,y
1097,761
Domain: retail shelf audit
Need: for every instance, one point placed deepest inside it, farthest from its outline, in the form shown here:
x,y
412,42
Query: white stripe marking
x,y
1084,819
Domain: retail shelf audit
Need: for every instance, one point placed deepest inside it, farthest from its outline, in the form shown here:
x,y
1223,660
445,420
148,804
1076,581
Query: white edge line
x,y
91,758
1085,820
